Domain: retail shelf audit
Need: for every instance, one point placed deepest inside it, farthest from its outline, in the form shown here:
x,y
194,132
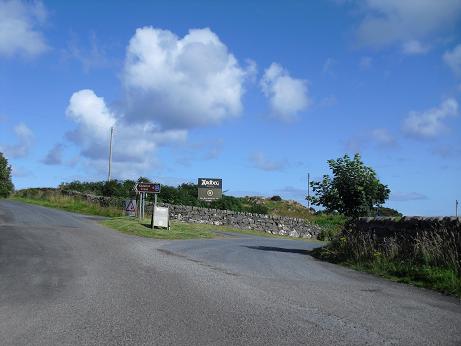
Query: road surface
x,y
66,280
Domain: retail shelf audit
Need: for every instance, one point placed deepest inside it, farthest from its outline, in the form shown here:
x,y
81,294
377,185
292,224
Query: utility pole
x,y
456,208
110,153
308,191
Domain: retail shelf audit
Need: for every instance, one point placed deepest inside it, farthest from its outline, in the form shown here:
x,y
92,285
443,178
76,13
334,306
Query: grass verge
x,y
178,230
431,260
71,204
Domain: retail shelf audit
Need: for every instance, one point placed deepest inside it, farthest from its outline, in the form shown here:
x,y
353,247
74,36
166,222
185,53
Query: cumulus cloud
x,y
133,143
170,85
287,95
260,161
406,22
54,156
25,139
430,123
453,59
181,82
19,28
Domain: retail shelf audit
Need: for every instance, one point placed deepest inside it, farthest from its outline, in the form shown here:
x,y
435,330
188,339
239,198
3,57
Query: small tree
x,y
354,190
6,185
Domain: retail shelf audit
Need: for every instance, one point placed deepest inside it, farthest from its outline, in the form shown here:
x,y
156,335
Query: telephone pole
x,y
456,208
308,191
110,153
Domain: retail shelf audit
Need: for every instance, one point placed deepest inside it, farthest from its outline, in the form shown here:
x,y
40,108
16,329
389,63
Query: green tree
x,y
354,190
6,185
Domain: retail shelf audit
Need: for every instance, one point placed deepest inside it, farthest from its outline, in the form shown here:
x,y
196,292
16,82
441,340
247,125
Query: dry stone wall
x,y
411,231
293,227
408,225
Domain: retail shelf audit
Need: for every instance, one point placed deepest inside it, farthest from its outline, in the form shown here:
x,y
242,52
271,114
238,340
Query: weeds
x,y
429,258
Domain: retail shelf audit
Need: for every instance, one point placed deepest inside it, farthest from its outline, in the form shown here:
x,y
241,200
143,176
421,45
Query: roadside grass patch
x,y
70,204
178,230
430,260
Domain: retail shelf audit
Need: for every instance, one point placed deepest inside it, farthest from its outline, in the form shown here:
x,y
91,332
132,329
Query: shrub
x,y
276,198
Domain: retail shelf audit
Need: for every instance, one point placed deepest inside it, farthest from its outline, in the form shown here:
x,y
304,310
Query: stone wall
x,y
293,227
407,226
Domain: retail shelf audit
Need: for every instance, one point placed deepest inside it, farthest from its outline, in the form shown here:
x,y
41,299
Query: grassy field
x,y
70,204
178,230
432,260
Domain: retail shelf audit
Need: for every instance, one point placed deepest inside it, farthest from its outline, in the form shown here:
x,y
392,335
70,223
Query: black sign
x,y
147,187
209,189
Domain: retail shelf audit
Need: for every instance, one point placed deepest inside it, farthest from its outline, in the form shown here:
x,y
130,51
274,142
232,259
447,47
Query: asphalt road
x,y
65,280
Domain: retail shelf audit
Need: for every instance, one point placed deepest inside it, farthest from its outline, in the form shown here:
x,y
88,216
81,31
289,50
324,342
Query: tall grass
x,y
54,199
429,258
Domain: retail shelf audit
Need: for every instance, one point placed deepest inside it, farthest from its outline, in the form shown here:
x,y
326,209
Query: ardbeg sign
x,y
209,189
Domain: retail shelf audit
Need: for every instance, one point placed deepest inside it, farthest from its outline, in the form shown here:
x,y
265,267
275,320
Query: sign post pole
x,y
153,211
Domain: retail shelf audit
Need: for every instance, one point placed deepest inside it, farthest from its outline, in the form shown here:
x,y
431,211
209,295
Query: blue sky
x,y
257,93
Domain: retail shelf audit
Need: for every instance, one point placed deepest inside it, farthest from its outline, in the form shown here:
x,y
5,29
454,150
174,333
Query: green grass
x,y
400,267
70,204
178,230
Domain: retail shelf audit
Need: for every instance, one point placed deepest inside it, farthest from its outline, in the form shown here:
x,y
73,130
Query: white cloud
x,y
54,156
133,143
25,139
260,161
414,47
19,22
453,59
287,96
170,85
181,82
387,22
429,124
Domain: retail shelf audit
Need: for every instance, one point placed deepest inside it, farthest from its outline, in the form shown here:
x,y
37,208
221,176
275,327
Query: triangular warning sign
x,y
130,206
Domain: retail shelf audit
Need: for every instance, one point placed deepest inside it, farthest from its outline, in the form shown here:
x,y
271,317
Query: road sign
x,y
161,217
147,187
130,207
209,189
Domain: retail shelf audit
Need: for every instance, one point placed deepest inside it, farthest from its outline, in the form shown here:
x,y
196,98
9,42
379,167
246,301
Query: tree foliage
x,y
6,185
354,189
185,194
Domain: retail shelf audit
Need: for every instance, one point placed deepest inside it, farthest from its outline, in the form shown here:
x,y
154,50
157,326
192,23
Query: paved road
x,y
65,280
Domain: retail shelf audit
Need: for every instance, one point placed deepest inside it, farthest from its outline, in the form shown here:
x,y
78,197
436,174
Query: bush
x,y
276,198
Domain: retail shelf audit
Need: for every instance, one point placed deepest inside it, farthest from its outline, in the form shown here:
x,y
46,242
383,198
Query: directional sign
x,y
209,189
147,187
